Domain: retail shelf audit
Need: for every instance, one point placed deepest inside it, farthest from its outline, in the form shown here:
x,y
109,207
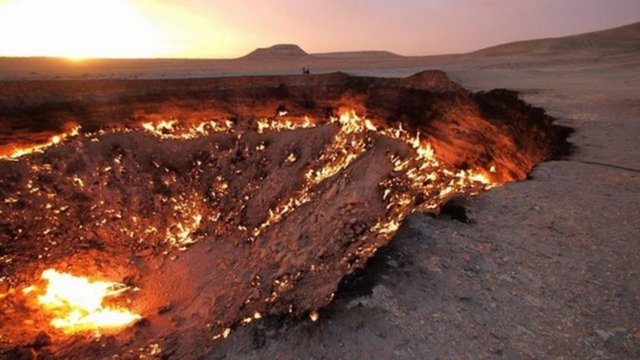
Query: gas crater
x,y
186,208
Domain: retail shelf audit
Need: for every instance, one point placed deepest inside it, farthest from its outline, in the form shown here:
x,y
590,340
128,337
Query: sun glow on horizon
x,y
223,29
79,29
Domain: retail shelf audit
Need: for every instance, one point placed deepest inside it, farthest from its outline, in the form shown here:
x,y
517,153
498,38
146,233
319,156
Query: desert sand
x,y
546,267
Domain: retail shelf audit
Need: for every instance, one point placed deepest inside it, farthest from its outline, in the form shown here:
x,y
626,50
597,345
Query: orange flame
x,y
15,153
174,130
282,124
77,303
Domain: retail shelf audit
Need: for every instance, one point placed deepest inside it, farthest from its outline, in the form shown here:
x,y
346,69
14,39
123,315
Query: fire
x,y
346,146
164,129
421,173
174,130
180,234
419,181
16,153
77,303
281,124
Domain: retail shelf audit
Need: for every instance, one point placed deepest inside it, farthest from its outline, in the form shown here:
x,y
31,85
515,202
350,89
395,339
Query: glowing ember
x,y
173,129
346,146
77,303
281,124
421,174
180,234
16,153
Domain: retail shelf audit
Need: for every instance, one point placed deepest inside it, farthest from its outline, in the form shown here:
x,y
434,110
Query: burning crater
x,y
170,212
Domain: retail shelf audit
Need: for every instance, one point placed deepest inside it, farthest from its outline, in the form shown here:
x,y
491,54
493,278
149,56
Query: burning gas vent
x,y
162,234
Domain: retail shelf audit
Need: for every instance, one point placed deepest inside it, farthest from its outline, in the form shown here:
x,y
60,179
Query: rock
x,y
18,353
496,348
144,252
43,339
165,309
603,334
617,343
142,323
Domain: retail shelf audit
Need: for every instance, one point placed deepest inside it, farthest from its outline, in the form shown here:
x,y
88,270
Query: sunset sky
x,y
231,28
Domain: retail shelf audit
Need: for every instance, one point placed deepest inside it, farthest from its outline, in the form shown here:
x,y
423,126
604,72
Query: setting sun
x,y
78,29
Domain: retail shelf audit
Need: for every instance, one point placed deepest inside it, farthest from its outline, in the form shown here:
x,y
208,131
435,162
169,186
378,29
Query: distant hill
x,y
618,40
624,39
275,52
357,54
291,51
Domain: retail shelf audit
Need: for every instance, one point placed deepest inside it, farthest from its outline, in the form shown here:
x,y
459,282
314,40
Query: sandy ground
x,y
545,268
